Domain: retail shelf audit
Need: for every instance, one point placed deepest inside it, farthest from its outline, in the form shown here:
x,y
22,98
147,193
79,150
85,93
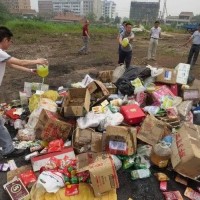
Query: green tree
x,y
107,19
101,18
91,17
196,19
4,14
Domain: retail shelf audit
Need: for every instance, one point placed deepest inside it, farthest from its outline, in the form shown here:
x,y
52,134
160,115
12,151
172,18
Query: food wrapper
x,y
173,195
55,145
28,178
181,180
72,190
161,176
191,194
50,94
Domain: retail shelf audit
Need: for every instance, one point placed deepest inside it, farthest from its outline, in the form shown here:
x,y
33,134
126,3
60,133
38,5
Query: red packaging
x,y
133,114
141,98
72,190
173,195
163,185
191,194
28,178
10,114
174,89
55,145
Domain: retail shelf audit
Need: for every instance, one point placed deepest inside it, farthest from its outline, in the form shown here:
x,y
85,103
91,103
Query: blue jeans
x,y
193,55
5,139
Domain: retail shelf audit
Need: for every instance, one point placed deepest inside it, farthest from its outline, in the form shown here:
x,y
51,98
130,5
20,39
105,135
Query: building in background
x,y
20,7
144,11
182,19
108,9
45,8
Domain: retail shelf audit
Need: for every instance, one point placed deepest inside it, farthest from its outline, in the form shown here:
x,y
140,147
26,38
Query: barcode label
x,y
116,145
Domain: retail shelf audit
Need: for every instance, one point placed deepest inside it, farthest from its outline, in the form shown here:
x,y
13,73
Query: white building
x,y
108,9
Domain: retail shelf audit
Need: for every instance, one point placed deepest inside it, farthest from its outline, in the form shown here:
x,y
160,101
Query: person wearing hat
x,y
125,52
155,34
6,35
194,50
85,37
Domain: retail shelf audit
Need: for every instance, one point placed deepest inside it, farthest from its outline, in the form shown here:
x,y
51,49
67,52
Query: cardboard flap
x,y
87,101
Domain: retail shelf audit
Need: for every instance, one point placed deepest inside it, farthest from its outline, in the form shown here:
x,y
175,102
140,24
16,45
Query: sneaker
x,y
156,72
15,153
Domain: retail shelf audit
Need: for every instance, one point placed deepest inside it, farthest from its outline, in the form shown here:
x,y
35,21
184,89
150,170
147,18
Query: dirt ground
x,y
67,66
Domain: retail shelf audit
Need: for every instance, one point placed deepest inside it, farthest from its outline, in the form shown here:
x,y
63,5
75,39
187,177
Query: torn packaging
x,y
49,127
185,156
102,171
121,140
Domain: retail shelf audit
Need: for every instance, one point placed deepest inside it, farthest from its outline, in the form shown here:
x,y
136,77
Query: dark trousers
x,y
193,55
125,56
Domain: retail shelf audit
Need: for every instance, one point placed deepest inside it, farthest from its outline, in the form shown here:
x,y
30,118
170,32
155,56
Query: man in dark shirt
x,y
86,37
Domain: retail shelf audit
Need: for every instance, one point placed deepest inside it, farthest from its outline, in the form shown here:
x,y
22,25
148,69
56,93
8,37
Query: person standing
x,y
155,34
125,52
195,48
6,35
122,28
85,37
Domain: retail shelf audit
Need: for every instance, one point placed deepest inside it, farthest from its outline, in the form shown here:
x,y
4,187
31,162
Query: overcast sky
x,y
174,7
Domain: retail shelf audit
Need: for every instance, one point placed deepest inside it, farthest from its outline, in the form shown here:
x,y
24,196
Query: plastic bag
x,y
51,181
90,120
138,86
26,134
55,145
118,72
50,94
117,162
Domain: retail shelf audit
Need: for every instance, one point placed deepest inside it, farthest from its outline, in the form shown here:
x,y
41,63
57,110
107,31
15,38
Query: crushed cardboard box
x,y
121,140
168,76
102,171
49,127
77,103
185,156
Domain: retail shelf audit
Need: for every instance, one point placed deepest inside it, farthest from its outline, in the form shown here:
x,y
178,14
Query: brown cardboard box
x,y
98,92
121,140
112,89
102,171
152,130
87,140
185,156
77,103
49,127
105,76
168,76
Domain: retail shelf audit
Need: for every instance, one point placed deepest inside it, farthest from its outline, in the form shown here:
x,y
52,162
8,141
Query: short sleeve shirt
x,y
3,58
129,46
85,29
155,32
196,38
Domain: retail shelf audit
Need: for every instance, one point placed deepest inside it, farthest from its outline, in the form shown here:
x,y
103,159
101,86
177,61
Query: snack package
x,y
173,195
28,178
55,145
181,180
191,194
140,173
163,185
161,176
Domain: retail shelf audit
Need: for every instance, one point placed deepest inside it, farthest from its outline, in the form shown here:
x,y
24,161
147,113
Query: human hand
x,y
34,71
42,61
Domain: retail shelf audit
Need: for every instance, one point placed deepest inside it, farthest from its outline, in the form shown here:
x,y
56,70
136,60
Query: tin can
x,y
29,156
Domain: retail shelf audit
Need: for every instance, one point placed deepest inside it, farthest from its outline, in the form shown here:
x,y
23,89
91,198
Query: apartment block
x,y
108,9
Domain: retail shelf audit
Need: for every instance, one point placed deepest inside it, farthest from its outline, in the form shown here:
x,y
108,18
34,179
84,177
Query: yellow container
x,y
42,70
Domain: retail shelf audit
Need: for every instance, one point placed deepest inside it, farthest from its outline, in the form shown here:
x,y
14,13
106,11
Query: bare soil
x,y
67,66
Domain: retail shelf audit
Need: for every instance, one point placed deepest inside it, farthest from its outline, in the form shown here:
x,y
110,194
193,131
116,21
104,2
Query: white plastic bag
x,y
117,162
90,120
118,72
51,181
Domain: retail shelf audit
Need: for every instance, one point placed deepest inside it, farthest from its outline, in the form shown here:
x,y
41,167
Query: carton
x,y
77,103
40,161
49,127
185,156
102,171
112,89
121,140
168,76
183,71
105,76
191,94
17,190
87,140
98,92
152,130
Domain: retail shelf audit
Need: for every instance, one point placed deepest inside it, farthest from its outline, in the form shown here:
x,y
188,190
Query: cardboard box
x,y
102,171
77,103
98,92
185,156
121,140
183,71
49,127
168,76
17,190
191,94
112,89
87,140
40,161
132,113
105,76
152,130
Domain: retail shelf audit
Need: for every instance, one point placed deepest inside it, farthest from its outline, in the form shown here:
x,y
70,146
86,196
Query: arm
x,y
16,61
190,39
120,39
131,37
86,33
21,68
